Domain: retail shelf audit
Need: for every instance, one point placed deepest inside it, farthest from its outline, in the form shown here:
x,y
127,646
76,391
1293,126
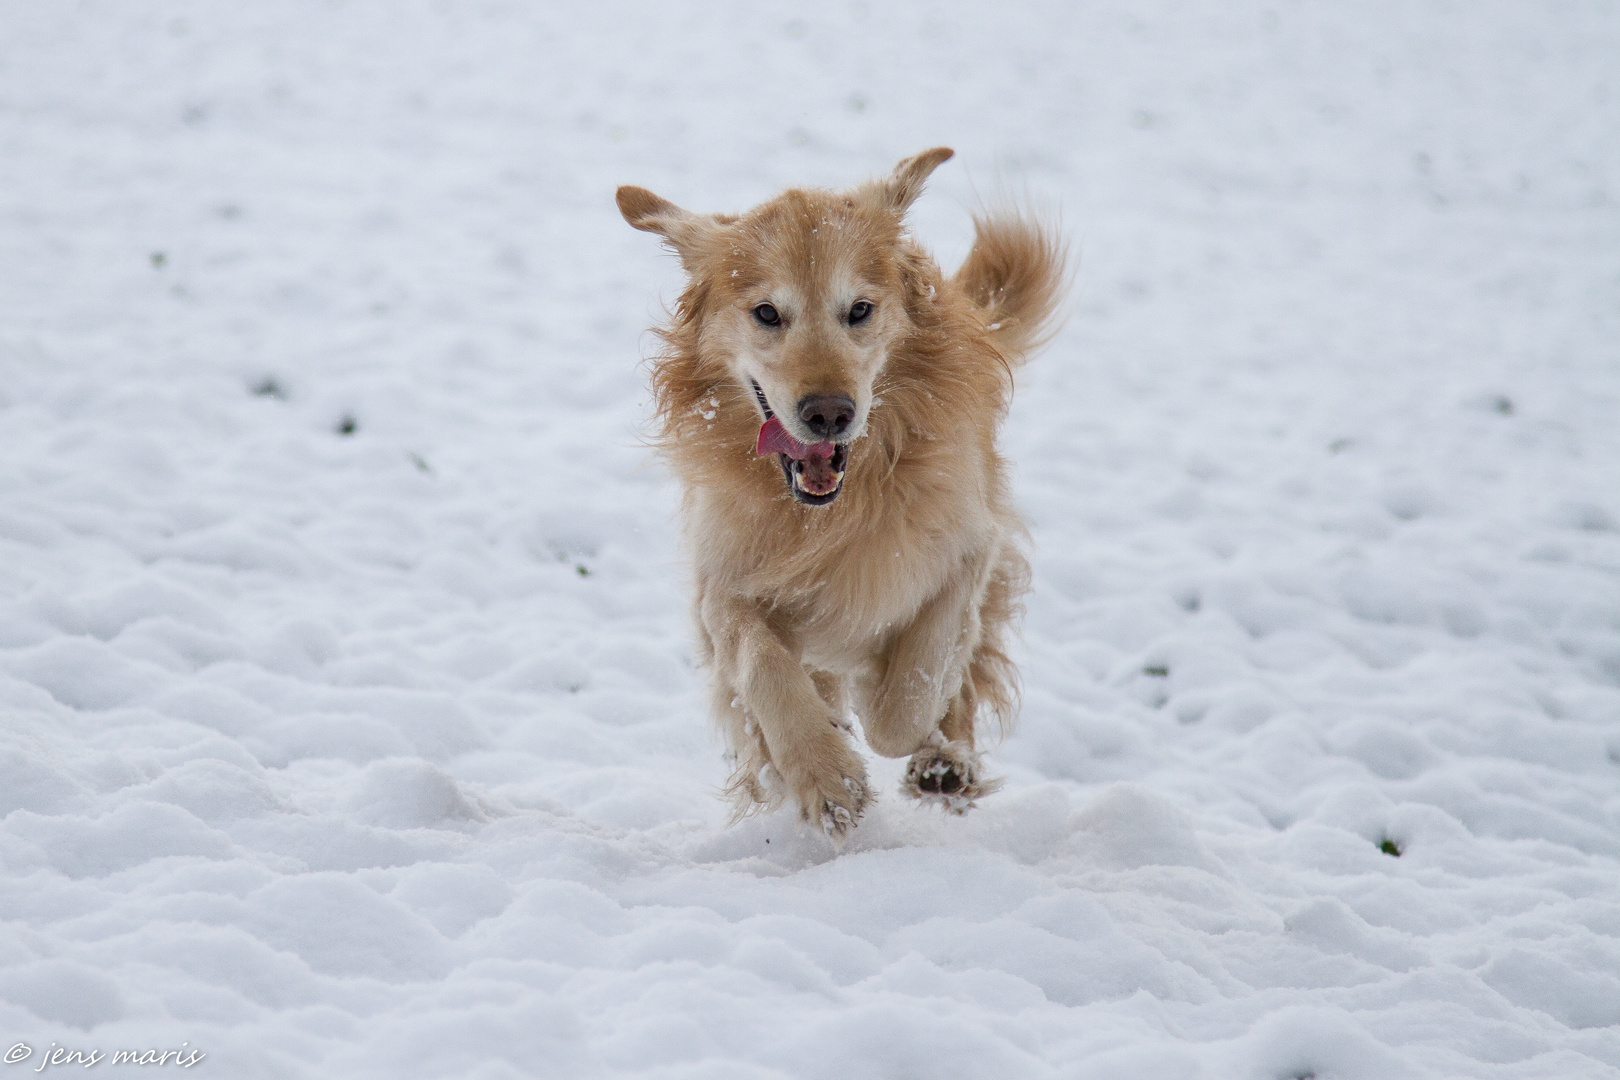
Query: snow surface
x,y
382,754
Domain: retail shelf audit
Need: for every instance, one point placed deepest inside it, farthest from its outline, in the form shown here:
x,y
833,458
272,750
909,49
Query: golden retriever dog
x,y
830,402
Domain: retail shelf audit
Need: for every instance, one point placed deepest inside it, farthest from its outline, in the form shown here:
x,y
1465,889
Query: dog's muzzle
x,y
814,471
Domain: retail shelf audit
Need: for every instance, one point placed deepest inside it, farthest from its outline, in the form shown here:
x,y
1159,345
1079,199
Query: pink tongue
x,y
774,439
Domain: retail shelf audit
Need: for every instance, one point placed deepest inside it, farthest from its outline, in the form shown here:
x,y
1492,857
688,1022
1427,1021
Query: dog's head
x,y
801,301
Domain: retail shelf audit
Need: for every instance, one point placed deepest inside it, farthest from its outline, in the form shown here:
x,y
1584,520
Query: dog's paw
x,y
839,818
950,774
834,796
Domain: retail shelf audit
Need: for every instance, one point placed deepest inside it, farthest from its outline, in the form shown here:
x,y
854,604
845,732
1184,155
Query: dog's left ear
x,y
685,231
901,187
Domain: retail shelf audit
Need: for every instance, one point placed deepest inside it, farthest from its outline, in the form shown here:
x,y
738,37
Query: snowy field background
x,y
350,726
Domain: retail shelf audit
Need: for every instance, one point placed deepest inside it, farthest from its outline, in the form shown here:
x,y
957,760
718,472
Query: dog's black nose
x,y
828,415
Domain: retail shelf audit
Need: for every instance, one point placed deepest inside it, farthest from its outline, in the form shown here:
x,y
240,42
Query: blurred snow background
x,y
348,723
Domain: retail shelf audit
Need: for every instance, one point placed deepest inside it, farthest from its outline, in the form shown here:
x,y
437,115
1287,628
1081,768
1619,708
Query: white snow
x,y
383,754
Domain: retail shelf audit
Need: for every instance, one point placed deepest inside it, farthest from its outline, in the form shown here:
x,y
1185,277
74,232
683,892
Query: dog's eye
x,y
859,311
768,315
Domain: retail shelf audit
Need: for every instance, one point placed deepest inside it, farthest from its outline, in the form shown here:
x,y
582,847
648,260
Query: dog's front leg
x,y
781,707
919,704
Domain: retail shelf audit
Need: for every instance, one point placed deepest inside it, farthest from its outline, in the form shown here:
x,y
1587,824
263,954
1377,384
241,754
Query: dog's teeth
x,y
798,479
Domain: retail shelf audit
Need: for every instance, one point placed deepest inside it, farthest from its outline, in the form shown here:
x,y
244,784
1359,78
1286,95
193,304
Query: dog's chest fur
x,y
839,580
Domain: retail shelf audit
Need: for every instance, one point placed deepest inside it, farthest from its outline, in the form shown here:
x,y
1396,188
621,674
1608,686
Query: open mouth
x,y
814,471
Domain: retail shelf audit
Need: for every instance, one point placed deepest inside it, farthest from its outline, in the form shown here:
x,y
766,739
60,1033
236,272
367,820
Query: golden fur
x,y
895,599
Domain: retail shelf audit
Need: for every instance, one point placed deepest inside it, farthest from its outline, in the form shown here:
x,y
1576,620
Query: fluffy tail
x,y
1017,273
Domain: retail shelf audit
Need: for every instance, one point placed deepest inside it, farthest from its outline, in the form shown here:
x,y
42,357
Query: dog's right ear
x,y
683,230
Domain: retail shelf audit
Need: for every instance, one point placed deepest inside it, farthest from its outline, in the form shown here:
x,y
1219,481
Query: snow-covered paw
x,y
839,816
948,773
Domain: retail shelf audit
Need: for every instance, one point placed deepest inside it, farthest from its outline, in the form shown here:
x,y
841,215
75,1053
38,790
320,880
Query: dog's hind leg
x,y
746,789
958,723
784,718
